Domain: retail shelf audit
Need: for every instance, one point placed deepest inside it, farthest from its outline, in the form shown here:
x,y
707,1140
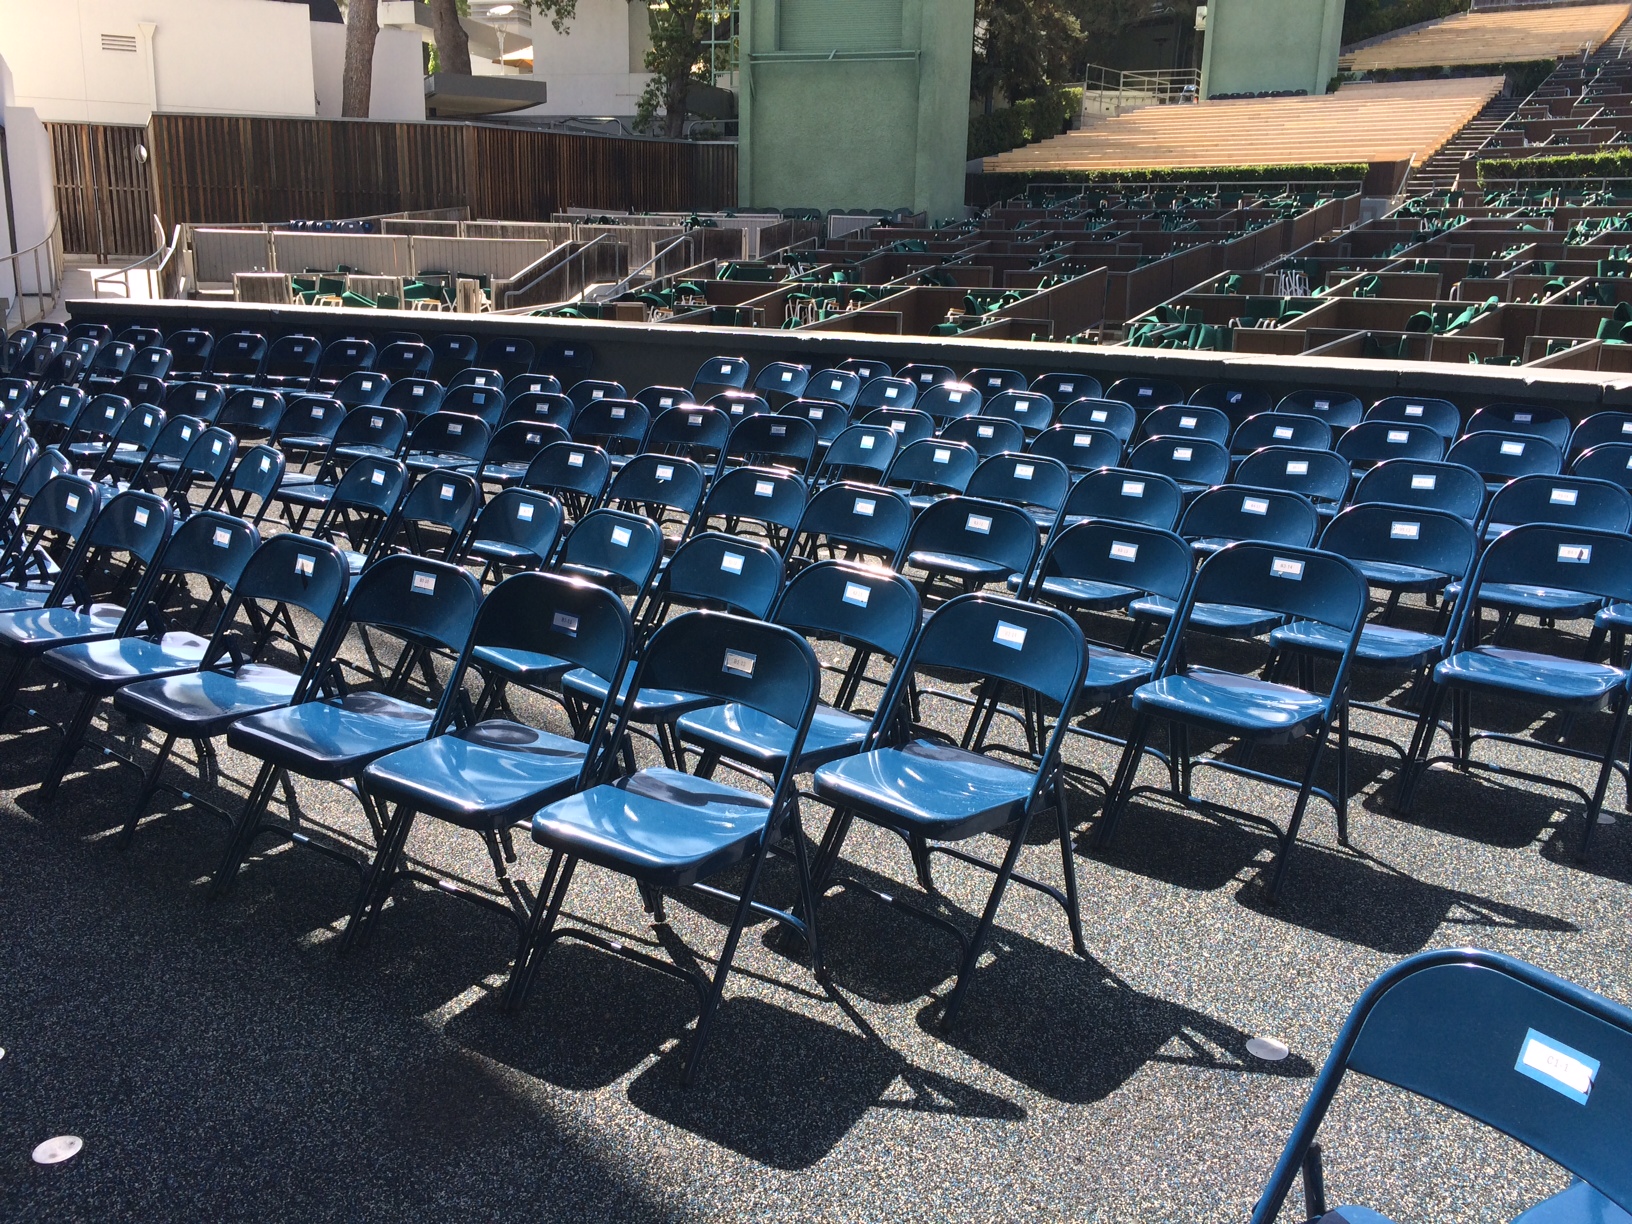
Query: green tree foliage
x,y
675,58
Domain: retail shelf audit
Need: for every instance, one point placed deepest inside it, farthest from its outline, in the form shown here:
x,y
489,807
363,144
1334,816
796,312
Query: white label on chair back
x,y
447,492
524,511
534,439
817,414
725,369
1012,636
455,429
619,413
1398,437
377,476
694,419
1254,505
985,431
305,564
731,563
576,459
1066,388
864,507
375,422
898,427
266,463
787,375
664,473
1564,497
1022,408
867,441
598,394
1427,481
1124,552
943,454
566,623
1323,405
187,431
140,517
1181,454
1513,448
257,401
1024,471
221,539
764,488
1187,422
855,593
1413,410
1626,427
1297,467
836,384
891,392
994,380
1524,418
1575,554
620,536
954,397
979,523
1405,531
779,431
1145,392
1562,1068
416,392
740,663
424,584
73,502
1099,416
1133,488
215,447
1282,432
1082,439
1286,567
200,396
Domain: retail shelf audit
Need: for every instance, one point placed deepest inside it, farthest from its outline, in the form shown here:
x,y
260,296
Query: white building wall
x,y
595,69
398,92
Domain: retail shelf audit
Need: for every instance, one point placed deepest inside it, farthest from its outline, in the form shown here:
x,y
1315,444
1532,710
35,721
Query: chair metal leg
x,y
377,883
545,911
150,784
1272,894
1343,774
73,735
711,1005
1421,742
243,832
988,916
807,891
1604,770
1068,859
1126,769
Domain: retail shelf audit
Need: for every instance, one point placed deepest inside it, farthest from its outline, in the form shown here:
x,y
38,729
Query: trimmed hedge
x,y
1024,123
1607,163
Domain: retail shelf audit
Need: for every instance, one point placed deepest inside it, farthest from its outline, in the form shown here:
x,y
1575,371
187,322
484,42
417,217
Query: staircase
x,y
1452,166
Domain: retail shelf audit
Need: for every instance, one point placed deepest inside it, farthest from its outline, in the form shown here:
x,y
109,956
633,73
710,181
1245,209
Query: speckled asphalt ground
x,y
222,1061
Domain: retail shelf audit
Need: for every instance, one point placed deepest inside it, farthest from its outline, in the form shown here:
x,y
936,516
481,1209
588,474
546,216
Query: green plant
x,y
675,59
1031,120
1605,163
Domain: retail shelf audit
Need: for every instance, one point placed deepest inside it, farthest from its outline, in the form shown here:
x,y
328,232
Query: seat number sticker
x,y
576,459
739,663
1024,471
1575,554
1282,432
1512,448
943,454
1413,410
1082,439
1181,454
424,584
620,537
864,507
985,431
524,511
731,563
855,593
305,564
222,538
1398,437
980,523
764,488
1124,552
1424,482
1187,422
1133,488
1566,1071
1405,531
1012,636
1286,567
566,623
1563,497
1254,505
1297,467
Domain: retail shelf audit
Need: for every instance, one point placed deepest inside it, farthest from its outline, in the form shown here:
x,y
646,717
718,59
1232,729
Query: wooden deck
x,y
1494,38
1359,123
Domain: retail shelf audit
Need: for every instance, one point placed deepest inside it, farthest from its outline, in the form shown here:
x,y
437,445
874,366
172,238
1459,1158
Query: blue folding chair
x,y
1338,409
887,391
1576,500
1186,421
781,381
1501,457
1035,483
931,469
1297,583
1320,475
1373,442
1145,393
1114,415
1532,1056
915,782
827,418
971,541
991,381
1031,410
1531,420
988,435
858,519
238,672
1125,495
671,831
949,401
836,386
1596,564
666,490
1606,461
720,374
489,774
516,531
861,452
1227,513
1451,487
334,728
1597,430
1066,389
1234,401
47,539
1280,429
1080,448
572,472
926,376
1439,415
763,501
1193,464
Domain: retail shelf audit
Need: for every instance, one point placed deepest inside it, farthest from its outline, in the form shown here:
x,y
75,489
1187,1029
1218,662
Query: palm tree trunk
x,y
362,27
452,43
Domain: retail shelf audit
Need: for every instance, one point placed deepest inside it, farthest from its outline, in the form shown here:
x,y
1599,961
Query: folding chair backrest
x,y
933,464
1599,428
310,416
484,403
1379,441
372,485
569,467
828,419
1292,581
760,494
1126,495
926,376
1035,647
203,400
949,401
1234,401
1193,460
837,386
450,353
1280,429
719,374
1553,555
344,356
509,355
404,359
1081,449
780,441
1606,461
887,392
659,480
1338,409
694,430
973,527
1186,421
133,523
1403,535
988,435
444,499
55,411
450,433
1319,475
907,424
1145,393
992,381
292,357
417,599
210,545
591,390
1031,410
111,360
1064,389
619,425
1241,512
476,376
191,350
362,388
1441,416
1148,559
255,477
532,384
732,659
1504,456
870,519
628,546
252,412
1021,480
739,404
239,355
545,407
859,605
381,427
659,399
865,368
1094,413
719,570
860,448
783,379
523,517
1535,420
1452,487
1574,500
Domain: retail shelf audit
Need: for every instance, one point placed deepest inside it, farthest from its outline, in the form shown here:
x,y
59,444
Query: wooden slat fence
x,y
104,194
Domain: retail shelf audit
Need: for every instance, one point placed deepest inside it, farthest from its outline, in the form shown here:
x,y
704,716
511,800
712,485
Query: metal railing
x,y
153,264
536,273
623,286
42,287
1106,91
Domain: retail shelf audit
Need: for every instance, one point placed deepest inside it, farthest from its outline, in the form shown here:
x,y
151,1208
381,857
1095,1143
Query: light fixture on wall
x,y
141,153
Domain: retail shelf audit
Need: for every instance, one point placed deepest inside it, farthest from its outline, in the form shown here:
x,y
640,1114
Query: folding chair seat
x,y
291,362
209,546
659,399
770,441
190,350
907,424
306,430
1338,409
666,489
988,435
992,381
1501,1042
108,366
931,469
404,359
1227,513
450,353
1373,442
872,614
1441,416
1035,483
332,730
719,374
1079,448
151,466
1124,495
861,452
238,358
924,376
738,405
617,426
1501,457
1531,420
1065,389
1193,463
509,355
572,472
1091,413
828,419
495,772
447,441
253,481
1595,564
252,413
591,390
486,404
542,408
669,830
977,543
512,449
1145,393
886,392
780,382
368,433
96,596
1280,429
1320,475
341,358
1295,583
711,570
137,433
1236,402
949,401
1186,421
912,781
863,520
771,499
836,386
1597,430
517,530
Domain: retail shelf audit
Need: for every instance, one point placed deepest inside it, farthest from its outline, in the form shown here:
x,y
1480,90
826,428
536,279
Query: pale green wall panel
x,y
1256,46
